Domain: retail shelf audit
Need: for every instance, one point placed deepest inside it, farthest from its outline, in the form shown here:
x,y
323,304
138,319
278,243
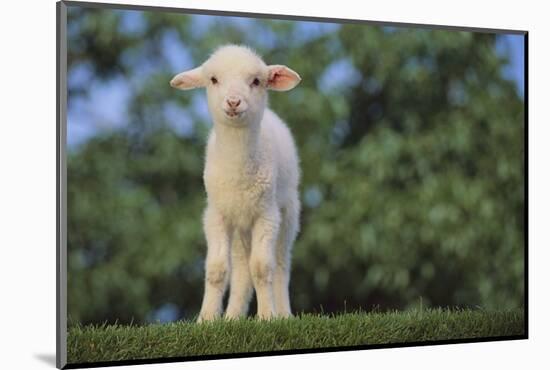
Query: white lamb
x,y
251,177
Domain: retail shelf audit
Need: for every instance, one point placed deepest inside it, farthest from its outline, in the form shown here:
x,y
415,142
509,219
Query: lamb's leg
x,y
241,282
262,261
218,238
289,228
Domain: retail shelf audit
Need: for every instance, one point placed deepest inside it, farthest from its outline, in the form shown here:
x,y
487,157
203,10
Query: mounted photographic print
x,y
235,184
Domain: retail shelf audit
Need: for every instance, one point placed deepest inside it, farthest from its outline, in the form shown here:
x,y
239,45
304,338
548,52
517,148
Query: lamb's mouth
x,y
234,114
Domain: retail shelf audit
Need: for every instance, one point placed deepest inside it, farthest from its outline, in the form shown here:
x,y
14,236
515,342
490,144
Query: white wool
x,y
251,178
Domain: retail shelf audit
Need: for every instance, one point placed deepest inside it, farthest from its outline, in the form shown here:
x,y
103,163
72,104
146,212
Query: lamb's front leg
x,y
262,261
218,238
240,289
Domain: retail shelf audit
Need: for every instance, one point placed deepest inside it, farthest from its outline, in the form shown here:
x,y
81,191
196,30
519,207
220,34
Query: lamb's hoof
x,y
203,317
266,316
232,316
285,315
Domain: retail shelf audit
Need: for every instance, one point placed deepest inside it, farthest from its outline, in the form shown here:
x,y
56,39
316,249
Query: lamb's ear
x,y
188,80
282,78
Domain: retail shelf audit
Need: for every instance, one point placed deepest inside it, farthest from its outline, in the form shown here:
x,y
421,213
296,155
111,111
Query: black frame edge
x,y
526,178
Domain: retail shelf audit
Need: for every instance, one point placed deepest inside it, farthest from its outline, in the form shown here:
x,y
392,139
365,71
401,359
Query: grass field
x,y
115,342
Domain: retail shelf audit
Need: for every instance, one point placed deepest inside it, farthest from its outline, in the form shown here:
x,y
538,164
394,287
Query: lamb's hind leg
x,y
218,238
262,261
287,235
241,283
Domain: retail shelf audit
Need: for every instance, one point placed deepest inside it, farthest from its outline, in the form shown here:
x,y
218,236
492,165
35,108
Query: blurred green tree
x,y
411,146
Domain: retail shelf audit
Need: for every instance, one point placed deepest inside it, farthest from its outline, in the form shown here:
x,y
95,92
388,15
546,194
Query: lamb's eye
x,y
214,80
256,82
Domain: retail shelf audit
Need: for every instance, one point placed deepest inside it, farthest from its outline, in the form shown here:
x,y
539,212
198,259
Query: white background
x,y
27,185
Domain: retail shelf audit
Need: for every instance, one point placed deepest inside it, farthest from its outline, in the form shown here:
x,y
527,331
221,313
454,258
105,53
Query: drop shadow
x,y
47,358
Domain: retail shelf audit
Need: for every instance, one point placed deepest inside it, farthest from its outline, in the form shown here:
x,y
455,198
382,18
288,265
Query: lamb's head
x,y
236,81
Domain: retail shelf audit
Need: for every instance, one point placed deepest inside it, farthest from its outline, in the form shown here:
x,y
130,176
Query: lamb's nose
x,y
233,101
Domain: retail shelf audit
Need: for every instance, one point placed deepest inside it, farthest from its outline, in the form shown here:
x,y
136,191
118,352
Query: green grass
x,y
117,342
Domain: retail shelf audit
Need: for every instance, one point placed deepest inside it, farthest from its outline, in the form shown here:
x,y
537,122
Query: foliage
x,y
412,157
183,339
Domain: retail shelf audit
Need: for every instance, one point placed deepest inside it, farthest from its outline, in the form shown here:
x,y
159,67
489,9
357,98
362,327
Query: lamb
x,y
251,177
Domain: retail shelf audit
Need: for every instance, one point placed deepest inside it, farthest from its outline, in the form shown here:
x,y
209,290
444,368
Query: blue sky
x,y
105,106
513,46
